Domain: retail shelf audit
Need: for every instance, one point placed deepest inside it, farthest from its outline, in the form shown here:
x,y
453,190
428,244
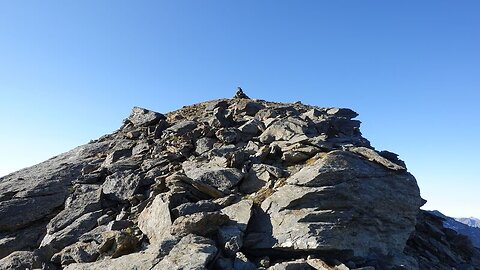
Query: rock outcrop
x,y
225,184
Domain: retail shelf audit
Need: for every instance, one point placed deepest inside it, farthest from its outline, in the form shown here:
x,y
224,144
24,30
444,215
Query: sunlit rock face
x,y
224,184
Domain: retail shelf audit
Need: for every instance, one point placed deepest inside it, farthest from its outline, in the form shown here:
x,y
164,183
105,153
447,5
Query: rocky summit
x,y
225,184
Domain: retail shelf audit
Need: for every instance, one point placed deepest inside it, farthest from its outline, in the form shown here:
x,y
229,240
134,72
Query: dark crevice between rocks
x,y
277,255
8,196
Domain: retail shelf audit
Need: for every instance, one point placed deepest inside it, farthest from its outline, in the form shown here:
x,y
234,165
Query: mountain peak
x,y
220,184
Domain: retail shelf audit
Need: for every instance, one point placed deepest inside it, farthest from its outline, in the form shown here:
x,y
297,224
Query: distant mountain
x,y
471,221
473,232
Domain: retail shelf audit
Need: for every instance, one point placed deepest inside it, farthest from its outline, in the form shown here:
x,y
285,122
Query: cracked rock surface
x,y
225,184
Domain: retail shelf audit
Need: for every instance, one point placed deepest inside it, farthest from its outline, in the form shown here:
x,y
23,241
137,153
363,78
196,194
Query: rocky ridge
x,y
225,184
473,233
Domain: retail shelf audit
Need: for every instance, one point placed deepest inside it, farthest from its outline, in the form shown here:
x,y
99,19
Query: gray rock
x,y
324,207
117,155
221,118
117,225
248,107
372,155
228,135
259,176
285,129
140,148
342,112
191,208
241,262
155,221
252,127
85,198
211,105
70,234
202,223
314,114
239,213
121,185
231,236
181,128
79,252
192,252
143,260
24,239
29,196
20,260
297,153
143,117
215,176
203,145
295,265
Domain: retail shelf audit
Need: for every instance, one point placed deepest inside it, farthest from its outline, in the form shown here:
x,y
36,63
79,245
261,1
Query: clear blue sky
x,y
70,71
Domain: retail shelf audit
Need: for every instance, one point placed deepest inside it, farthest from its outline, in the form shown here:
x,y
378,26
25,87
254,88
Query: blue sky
x,y
70,71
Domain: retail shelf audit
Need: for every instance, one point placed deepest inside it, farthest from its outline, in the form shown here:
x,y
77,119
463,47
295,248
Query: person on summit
x,y
240,94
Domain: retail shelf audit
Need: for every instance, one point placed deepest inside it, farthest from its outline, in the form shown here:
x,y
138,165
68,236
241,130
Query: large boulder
x,y
340,202
192,252
155,220
143,117
213,175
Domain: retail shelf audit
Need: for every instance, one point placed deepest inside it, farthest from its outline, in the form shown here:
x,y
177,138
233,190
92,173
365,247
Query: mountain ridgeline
x,y
225,184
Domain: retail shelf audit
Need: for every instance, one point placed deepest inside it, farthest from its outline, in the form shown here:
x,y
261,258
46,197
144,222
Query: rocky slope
x,y
452,223
225,184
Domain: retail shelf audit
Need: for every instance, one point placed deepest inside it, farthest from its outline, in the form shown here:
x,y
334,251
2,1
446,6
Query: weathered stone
x,y
239,213
324,206
191,208
228,135
202,223
192,252
24,239
121,185
117,155
294,265
143,117
181,128
155,220
20,260
259,176
372,155
285,129
252,127
85,198
70,234
117,225
342,112
143,260
211,105
79,252
230,236
248,107
203,145
221,118
218,177
140,148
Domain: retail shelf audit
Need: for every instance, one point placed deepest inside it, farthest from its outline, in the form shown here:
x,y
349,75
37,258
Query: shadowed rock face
x,y
225,184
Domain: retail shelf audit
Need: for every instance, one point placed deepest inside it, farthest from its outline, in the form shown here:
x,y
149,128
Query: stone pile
x,y
225,184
